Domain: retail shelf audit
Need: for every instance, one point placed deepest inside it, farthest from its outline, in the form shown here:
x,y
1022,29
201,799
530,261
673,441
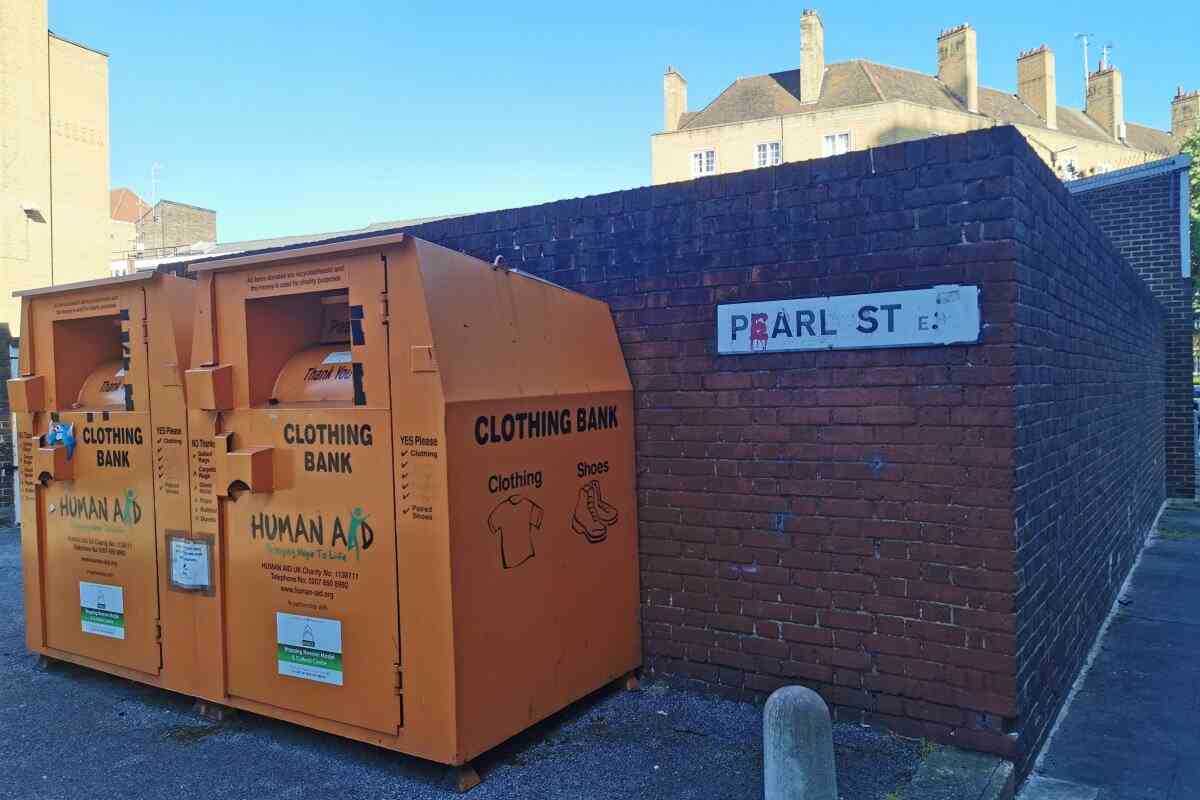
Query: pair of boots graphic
x,y
592,515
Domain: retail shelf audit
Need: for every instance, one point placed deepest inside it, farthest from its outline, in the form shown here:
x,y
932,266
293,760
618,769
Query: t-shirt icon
x,y
514,521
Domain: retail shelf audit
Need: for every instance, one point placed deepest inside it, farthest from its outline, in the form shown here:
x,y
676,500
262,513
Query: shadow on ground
x,y
1130,732
69,732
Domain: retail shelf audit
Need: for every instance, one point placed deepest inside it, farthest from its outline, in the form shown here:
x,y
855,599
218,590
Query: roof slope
x,y
857,82
125,205
778,94
1151,139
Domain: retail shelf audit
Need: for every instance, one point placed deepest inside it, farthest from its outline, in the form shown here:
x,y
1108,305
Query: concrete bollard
x,y
798,747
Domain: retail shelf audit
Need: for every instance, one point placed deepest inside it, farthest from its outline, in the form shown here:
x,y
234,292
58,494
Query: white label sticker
x,y
338,357
102,609
189,563
309,648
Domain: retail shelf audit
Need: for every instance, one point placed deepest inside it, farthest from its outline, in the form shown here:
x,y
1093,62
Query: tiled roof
x,y
851,83
125,205
1151,139
778,94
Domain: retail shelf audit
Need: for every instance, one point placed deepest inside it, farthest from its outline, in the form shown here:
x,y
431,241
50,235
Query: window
x,y
704,162
768,154
836,144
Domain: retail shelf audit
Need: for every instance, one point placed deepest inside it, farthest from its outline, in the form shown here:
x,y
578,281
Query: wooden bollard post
x,y
798,747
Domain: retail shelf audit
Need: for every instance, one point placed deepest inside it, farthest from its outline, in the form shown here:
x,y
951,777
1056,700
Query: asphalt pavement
x,y
68,732
1130,732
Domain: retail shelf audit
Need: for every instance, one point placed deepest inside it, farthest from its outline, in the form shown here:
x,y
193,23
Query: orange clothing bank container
x,y
417,474
113,578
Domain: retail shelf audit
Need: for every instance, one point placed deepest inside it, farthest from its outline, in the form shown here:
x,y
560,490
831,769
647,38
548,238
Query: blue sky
x,y
296,116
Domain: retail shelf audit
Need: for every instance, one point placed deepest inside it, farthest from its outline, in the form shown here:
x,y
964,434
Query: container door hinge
x,y
145,331
383,308
398,684
158,631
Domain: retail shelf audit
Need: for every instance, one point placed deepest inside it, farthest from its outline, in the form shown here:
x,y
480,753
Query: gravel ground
x,y
67,732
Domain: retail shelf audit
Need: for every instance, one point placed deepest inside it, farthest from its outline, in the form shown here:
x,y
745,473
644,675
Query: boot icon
x,y
604,512
592,515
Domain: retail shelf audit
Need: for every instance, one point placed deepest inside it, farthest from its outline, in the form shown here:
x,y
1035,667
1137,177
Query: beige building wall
x,y
24,152
869,125
79,161
122,238
169,224
53,157
803,135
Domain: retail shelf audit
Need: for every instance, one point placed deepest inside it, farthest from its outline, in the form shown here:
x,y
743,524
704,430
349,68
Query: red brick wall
x,y
1142,219
862,521
1091,461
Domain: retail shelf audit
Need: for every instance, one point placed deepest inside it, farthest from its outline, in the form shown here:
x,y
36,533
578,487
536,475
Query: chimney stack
x,y
1106,101
1185,114
958,64
812,56
674,99
1036,83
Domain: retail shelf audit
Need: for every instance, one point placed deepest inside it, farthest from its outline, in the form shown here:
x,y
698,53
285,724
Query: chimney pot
x,y
1185,114
812,56
1106,101
674,99
1037,83
958,64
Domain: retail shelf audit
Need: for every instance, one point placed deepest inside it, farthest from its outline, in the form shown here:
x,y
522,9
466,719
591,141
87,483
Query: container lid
x,y
335,246
104,389
320,374
133,277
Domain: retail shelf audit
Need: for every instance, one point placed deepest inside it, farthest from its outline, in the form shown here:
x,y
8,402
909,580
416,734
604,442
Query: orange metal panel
x,y
399,507
210,388
52,464
100,500
537,437
99,560
310,555
393,550
27,394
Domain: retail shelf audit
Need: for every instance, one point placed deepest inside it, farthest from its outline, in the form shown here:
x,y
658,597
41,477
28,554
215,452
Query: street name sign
x,y
939,315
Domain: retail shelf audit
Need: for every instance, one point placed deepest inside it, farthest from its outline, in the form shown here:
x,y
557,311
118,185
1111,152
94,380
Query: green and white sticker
x,y
309,648
102,609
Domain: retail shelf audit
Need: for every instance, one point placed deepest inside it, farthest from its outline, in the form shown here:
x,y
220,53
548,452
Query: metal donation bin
x,y
113,579
418,470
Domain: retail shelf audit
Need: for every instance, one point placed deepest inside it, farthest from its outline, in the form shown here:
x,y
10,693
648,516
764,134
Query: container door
x,y
96,531
311,598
